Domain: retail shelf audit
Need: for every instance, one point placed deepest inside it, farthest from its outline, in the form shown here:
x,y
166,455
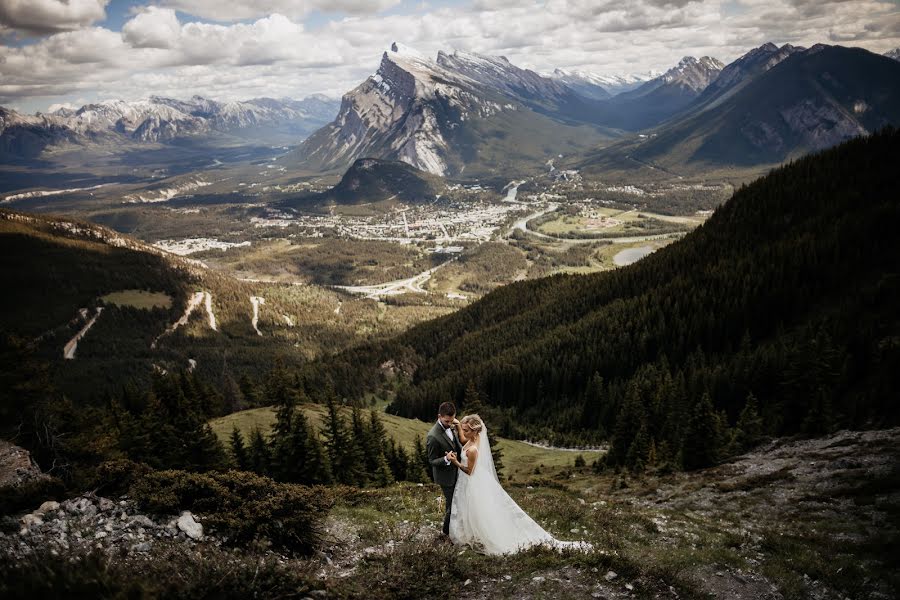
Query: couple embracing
x,y
478,511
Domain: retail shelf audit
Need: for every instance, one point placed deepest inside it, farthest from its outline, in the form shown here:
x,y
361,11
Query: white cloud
x,y
47,16
153,28
278,56
235,10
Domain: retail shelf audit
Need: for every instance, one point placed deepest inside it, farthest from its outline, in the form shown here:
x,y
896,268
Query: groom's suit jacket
x,y
437,444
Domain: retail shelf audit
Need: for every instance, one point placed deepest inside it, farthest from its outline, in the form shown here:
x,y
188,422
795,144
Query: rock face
x,y
402,112
16,466
778,103
741,71
427,112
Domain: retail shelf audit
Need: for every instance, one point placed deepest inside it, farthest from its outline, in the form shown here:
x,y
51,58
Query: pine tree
x,y
282,445
702,441
380,472
238,450
259,459
594,405
472,399
343,452
630,420
420,467
317,467
232,396
748,430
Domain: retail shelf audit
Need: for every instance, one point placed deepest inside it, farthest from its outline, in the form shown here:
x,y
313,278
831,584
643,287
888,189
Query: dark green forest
x,y
778,316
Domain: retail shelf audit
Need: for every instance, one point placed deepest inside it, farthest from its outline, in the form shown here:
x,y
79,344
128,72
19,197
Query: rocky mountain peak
x,y
895,53
752,63
693,73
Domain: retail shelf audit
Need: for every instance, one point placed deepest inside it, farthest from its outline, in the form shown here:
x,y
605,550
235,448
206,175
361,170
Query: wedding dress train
x,y
485,517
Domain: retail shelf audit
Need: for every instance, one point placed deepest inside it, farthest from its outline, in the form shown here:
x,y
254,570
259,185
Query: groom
x,y
441,444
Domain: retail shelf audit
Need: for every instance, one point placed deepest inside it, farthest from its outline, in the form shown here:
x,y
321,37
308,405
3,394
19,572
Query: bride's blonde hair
x,y
473,421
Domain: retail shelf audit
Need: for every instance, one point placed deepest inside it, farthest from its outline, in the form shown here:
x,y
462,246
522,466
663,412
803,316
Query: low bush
x,y
30,495
169,572
244,506
115,477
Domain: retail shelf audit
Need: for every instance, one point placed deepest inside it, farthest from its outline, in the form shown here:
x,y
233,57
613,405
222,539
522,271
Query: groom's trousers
x,y
448,496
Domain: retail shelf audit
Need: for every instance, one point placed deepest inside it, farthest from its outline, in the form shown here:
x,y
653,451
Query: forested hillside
x,y
779,315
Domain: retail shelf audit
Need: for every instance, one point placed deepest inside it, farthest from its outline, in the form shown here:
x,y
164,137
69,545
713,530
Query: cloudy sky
x,y
58,52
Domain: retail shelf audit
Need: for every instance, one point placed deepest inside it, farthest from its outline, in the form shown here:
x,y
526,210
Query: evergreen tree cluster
x,y
357,452
167,428
777,316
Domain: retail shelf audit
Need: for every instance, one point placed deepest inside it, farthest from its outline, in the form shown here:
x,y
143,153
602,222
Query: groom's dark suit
x,y
437,444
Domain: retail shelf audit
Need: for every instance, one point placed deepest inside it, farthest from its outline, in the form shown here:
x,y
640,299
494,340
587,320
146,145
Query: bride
x,y
482,513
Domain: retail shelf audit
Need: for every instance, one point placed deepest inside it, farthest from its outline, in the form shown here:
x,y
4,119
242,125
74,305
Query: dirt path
x,y
256,301
72,345
209,311
193,303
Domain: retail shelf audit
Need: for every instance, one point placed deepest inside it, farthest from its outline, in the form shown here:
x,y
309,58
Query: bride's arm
x,y
472,454
460,433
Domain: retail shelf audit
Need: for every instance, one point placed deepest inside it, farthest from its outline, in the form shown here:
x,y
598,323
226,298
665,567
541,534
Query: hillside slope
x,y
788,292
60,271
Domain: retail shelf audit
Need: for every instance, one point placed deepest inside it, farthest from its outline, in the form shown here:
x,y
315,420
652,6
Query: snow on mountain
x,y
597,86
498,73
402,112
159,119
895,54
692,73
418,110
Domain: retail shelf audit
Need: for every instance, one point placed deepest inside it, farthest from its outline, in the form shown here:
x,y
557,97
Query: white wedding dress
x,y
484,516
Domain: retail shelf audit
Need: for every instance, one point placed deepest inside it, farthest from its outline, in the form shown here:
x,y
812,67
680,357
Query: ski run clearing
x,y
256,301
209,312
193,303
69,349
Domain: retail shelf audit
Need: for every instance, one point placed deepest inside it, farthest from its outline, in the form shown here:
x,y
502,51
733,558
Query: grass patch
x,y
138,299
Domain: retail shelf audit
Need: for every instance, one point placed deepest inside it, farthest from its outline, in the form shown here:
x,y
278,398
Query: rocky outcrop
x,y
91,522
17,467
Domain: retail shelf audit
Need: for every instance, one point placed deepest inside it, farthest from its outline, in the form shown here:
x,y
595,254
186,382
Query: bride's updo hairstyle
x,y
473,421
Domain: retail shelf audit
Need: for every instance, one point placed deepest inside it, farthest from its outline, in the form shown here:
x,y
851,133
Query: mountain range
x,y
159,120
465,115
461,112
771,105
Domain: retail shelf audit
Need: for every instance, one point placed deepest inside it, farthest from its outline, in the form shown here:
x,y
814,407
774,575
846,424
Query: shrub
x,y
242,505
115,477
30,494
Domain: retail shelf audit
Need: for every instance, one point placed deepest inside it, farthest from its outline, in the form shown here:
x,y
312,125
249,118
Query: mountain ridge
x,y
446,115
156,119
